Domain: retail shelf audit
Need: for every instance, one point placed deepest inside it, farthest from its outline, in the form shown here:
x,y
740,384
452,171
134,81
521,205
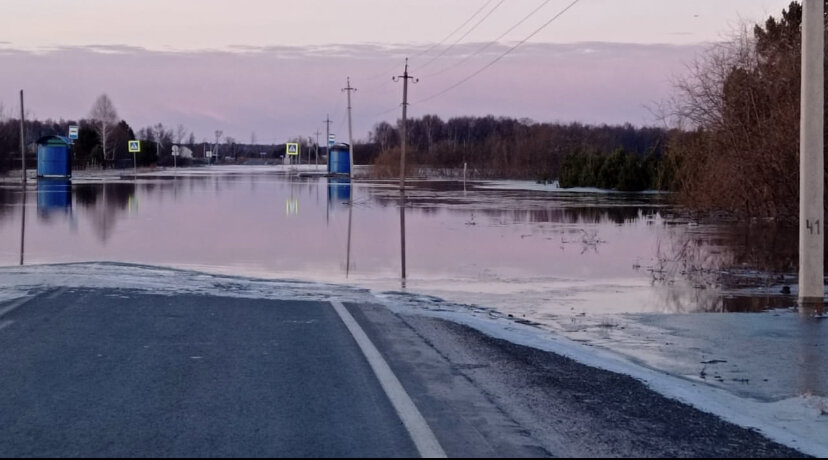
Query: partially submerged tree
x,y
738,107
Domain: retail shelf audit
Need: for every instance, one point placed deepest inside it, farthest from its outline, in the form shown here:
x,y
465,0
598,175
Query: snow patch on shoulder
x,y
19,281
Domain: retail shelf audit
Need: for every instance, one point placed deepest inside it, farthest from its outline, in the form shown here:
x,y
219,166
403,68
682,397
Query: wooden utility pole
x,y
328,139
23,183
349,89
811,161
405,77
22,139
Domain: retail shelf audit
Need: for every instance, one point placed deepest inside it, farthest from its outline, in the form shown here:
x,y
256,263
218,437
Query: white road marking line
x,y
424,439
14,305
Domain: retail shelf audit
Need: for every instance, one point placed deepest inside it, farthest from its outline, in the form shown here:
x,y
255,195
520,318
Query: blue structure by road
x,y
54,157
339,159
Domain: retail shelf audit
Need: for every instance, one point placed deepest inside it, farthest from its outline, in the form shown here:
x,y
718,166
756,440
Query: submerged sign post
x,y
292,148
134,147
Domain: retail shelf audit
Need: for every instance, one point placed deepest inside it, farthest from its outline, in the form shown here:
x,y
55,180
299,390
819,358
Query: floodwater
x,y
551,251
585,263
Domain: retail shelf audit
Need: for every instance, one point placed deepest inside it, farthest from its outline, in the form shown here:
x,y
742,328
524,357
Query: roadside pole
x,y
134,146
349,89
811,161
328,138
22,139
405,77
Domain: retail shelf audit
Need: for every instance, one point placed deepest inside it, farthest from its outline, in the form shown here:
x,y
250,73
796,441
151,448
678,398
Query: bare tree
x,y
162,137
104,114
180,134
230,141
737,114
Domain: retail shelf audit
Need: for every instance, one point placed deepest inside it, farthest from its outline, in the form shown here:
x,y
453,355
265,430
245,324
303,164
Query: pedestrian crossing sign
x,y
292,148
134,146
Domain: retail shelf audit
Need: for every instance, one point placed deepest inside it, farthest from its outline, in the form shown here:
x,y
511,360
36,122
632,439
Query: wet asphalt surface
x,y
108,372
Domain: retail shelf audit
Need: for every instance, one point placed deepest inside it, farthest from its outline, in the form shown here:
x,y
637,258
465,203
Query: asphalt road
x,y
125,373
113,374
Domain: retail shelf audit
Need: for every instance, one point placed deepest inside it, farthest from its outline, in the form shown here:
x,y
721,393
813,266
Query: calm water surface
x,y
518,247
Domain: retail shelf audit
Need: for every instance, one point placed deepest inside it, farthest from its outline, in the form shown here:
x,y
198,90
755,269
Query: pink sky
x,y
213,65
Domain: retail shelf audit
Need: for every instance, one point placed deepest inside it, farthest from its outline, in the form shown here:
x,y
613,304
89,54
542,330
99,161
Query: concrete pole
x,y
349,89
811,161
22,139
403,128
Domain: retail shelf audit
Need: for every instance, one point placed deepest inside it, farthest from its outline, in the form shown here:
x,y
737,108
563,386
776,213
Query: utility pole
x,y
23,184
811,161
328,138
349,89
317,146
22,140
405,77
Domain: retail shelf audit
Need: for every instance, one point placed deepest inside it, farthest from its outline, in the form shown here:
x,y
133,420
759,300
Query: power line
x,y
464,35
496,40
495,60
375,76
384,112
455,30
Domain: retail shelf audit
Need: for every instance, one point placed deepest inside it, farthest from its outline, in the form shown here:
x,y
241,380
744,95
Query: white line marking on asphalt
x,y
424,439
14,305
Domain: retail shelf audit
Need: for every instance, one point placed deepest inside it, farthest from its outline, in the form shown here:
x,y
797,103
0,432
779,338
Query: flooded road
x,y
558,251
599,267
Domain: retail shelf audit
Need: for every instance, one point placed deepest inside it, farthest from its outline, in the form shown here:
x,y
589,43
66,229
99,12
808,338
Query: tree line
x,y
505,147
103,137
737,110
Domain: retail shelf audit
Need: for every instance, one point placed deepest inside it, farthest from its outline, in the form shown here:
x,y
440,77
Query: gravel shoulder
x,y
520,401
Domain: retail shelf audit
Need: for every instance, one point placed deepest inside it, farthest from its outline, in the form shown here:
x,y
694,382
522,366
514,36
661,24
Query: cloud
x,y
285,91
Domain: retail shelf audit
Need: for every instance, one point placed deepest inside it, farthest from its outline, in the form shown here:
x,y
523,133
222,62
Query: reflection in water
x,y
23,222
402,236
350,221
340,192
564,250
54,197
104,203
694,264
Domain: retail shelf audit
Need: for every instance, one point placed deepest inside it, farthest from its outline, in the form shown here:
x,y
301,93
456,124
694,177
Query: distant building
x,y
185,152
